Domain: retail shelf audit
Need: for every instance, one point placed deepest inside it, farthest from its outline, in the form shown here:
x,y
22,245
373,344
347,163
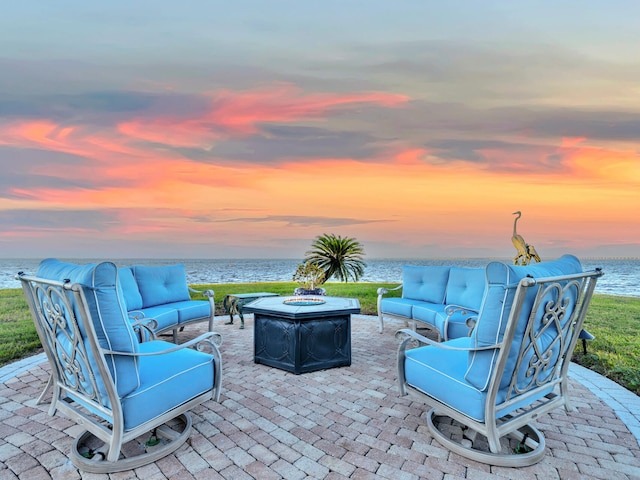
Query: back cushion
x,y
108,313
466,287
159,285
130,291
428,284
502,281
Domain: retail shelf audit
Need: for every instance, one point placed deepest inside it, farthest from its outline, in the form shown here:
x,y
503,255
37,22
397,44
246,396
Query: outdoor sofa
x,y
160,293
443,298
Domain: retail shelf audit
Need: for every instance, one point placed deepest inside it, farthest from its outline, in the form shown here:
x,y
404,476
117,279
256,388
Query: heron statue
x,y
526,252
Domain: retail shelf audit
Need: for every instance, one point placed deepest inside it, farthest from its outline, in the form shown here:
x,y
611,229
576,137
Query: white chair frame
x,y
101,423
519,423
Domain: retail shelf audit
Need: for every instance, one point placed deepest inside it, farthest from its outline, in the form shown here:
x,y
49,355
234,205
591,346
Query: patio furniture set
x,y
506,334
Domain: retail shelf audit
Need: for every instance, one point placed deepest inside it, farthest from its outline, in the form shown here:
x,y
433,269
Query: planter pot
x,y
306,291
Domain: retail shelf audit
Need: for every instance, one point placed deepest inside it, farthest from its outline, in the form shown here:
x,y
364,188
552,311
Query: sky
x,y
217,129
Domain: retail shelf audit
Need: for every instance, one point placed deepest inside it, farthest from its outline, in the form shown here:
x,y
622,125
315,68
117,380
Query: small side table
x,y
234,302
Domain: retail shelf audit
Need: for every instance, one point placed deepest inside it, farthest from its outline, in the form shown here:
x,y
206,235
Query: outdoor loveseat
x,y
445,299
162,293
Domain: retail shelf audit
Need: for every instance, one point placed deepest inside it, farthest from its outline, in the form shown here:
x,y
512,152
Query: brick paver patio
x,y
340,423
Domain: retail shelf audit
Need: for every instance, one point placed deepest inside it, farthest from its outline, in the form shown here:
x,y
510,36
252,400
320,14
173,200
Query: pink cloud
x,y
240,113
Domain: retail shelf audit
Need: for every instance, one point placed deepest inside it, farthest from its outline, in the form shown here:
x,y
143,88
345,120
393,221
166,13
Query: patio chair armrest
x,y
452,308
205,293
407,335
211,339
384,291
145,328
135,315
471,315
471,322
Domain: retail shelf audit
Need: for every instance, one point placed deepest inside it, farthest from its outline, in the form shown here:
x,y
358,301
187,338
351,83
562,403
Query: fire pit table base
x,y
302,339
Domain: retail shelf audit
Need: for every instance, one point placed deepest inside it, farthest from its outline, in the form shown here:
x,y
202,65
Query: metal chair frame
x,y
545,370
82,384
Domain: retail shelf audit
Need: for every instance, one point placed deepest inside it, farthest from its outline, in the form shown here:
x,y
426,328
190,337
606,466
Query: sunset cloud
x,y
292,220
251,130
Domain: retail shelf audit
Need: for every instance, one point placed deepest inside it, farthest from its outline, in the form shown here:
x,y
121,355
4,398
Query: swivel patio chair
x,y
133,398
486,390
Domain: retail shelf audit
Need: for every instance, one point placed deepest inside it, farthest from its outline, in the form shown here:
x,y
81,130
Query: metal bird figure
x,y
526,252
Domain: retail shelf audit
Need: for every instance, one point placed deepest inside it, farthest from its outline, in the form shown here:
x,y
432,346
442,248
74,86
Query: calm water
x,y
622,276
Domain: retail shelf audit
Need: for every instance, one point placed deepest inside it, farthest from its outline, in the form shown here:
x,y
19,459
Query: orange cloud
x,y
43,134
605,165
240,113
406,196
169,131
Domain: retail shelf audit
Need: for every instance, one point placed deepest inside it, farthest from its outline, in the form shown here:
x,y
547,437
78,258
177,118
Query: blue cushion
x,y
465,287
108,312
191,310
167,317
457,325
160,285
427,312
502,282
440,374
398,306
424,283
132,296
167,380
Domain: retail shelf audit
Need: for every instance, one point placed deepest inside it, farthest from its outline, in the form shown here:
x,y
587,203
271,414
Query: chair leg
x,y
98,463
531,446
47,387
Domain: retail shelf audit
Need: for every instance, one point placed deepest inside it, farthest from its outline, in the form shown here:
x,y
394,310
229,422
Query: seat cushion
x,y
399,306
161,285
191,310
166,316
424,283
108,312
166,381
427,312
439,373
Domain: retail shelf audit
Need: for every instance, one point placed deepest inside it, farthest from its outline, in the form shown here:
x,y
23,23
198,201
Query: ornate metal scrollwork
x,y
61,329
547,336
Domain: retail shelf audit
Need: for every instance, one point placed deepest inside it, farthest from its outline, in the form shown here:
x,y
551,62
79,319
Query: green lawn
x,y
614,321
615,352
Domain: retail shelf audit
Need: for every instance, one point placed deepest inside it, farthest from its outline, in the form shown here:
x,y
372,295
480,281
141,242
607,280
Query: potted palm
x,y
309,277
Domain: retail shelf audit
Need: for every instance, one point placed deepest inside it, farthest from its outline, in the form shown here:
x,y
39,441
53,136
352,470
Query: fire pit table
x,y
303,334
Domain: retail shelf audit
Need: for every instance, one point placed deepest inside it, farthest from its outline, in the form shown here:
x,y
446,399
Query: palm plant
x,y
337,256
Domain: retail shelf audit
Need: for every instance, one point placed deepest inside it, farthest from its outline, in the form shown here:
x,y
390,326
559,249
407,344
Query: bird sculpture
x,y
526,252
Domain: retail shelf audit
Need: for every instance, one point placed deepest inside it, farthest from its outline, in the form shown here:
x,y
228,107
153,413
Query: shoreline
x,y
622,277
604,294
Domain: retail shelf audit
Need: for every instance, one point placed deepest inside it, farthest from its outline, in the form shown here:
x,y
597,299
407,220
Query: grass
x,y
615,352
613,320
18,337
